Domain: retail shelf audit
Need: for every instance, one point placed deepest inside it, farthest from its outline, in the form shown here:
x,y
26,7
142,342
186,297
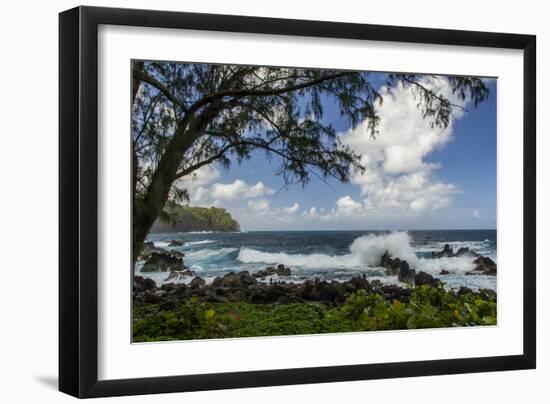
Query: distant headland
x,y
181,218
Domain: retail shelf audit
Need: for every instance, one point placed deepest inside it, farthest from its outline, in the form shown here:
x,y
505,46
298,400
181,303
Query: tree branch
x,y
142,76
247,92
426,90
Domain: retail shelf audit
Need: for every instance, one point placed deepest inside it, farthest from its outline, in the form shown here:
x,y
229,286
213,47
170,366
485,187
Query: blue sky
x,y
417,177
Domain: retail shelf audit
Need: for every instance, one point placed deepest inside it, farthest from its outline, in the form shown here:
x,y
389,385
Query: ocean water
x,y
331,255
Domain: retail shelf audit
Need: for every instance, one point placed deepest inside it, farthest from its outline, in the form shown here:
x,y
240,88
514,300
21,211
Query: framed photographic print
x,y
250,202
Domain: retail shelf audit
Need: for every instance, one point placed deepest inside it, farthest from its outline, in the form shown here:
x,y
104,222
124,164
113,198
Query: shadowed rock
x,y
484,266
197,282
422,278
163,262
280,270
446,252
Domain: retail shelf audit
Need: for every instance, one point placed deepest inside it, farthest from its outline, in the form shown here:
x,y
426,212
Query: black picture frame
x,y
78,201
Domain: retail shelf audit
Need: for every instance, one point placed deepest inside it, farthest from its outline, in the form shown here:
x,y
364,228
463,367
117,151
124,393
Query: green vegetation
x,y
177,217
427,307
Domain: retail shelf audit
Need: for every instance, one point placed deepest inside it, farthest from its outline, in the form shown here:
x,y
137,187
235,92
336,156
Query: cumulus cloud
x,y
202,192
196,184
259,205
347,206
239,190
398,178
292,209
476,214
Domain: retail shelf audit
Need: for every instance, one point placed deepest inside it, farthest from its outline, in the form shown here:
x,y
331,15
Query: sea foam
x,y
364,251
370,248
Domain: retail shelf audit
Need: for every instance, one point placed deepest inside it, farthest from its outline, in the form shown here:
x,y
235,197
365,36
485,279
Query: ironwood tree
x,y
186,116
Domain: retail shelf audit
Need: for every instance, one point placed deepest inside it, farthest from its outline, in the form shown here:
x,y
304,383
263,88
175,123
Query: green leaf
x,y
210,314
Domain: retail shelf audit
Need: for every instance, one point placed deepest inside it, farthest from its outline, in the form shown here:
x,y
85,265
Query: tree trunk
x,y
147,210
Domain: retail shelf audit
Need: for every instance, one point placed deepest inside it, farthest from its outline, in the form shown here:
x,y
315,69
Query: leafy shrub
x,y
427,307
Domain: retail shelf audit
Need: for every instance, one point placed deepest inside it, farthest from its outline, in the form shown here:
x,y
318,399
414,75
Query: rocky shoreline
x,y
269,286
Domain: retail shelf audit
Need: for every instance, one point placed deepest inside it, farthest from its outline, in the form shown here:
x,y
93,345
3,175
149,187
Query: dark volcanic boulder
x,y
399,267
163,262
234,280
262,293
141,283
360,282
176,243
197,282
391,292
446,252
422,278
444,272
463,290
148,245
392,265
177,275
280,270
331,292
309,290
449,253
406,273
466,252
178,254
485,266
149,248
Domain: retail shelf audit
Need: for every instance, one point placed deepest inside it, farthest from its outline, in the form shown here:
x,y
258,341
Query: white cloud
x,y
292,209
476,214
259,205
398,179
347,206
239,190
203,192
311,213
196,184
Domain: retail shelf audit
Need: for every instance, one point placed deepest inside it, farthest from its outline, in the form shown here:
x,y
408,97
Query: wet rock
x,y
444,272
163,262
141,283
360,282
169,287
485,266
178,254
392,265
394,292
280,270
331,292
422,278
234,280
197,282
179,275
376,284
446,252
309,290
406,274
176,243
466,252
154,296
149,248
399,267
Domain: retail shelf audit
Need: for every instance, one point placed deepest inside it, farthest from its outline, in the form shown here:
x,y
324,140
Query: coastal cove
x,y
217,285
